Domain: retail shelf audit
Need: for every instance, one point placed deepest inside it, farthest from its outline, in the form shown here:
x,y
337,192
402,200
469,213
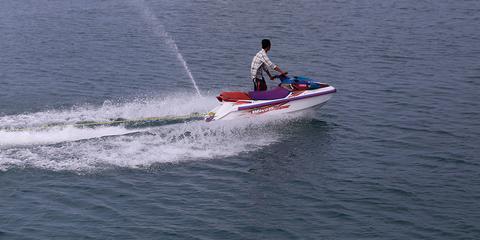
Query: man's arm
x,y
269,63
265,68
276,68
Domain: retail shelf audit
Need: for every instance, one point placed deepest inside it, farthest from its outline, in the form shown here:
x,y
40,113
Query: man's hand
x,y
277,68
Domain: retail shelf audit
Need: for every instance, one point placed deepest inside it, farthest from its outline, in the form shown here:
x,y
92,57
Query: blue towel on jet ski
x,y
301,80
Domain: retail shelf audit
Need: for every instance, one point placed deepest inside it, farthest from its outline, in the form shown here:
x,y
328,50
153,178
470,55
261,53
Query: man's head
x,y
266,44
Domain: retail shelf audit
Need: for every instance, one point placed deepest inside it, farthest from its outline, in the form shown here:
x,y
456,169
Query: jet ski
x,y
291,95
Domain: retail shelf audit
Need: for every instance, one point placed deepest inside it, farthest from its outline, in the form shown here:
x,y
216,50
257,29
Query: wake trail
x,y
140,149
111,118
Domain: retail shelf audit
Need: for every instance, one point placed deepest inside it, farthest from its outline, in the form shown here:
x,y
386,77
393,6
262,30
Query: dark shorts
x,y
259,84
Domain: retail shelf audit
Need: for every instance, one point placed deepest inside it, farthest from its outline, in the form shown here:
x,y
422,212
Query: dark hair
x,y
266,43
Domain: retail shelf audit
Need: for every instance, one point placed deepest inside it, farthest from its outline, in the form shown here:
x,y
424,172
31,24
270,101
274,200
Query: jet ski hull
x,y
293,102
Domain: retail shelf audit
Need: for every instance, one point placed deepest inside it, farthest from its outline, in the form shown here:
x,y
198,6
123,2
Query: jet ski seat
x,y
276,93
233,96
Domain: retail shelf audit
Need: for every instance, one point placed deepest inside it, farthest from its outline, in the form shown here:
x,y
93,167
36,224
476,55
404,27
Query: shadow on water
x,y
299,140
304,141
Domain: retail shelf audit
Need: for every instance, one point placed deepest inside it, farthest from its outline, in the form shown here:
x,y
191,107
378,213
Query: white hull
x,y
295,101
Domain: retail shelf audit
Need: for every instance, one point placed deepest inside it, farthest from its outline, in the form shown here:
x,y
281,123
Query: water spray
x,y
159,29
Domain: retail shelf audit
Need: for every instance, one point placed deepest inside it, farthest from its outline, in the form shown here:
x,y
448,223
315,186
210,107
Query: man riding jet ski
x,y
261,63
292,94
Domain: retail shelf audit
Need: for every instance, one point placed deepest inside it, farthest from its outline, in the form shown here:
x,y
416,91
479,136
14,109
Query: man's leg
x,y
259,84
263,85
256,85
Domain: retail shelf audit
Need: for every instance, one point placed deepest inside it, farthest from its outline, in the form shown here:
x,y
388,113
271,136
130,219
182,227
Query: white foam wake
x,y
171,105
169,143
56,135
86,149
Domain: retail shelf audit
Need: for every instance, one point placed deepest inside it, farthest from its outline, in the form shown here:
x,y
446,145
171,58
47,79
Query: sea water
x,y
393,154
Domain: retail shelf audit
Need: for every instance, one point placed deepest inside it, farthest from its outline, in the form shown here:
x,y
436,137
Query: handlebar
x,y
281,76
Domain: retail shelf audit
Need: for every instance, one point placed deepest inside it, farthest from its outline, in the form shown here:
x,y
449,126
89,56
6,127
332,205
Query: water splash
x,y
81,150
98,148
173,104
159,29
166,144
